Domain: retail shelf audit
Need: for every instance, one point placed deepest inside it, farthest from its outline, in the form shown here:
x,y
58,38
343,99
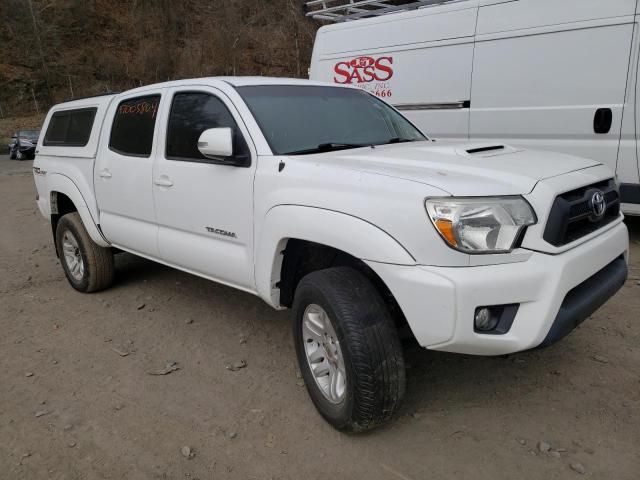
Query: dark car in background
x,y
23,145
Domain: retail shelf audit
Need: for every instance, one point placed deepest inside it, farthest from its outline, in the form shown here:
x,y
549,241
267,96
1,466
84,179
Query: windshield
x,y
32,134
310,119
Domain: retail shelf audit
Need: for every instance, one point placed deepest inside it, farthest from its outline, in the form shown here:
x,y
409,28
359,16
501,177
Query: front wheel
x,y
88,266
348,349
12,154
19,155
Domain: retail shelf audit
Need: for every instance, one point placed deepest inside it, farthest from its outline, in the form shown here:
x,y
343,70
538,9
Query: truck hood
x,y
460,169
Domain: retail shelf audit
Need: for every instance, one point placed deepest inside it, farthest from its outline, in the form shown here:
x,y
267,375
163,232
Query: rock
x,y
600,359
67,427
26,455
123,352
243,340
28,374
55,362
235,366
544,447
42,413
555,454
141,306
119,407
170,367
521,441
72,444
187,452
233,435
189,321
578,468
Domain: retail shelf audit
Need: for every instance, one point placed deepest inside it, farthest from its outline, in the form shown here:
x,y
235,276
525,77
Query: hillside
x,y
53,50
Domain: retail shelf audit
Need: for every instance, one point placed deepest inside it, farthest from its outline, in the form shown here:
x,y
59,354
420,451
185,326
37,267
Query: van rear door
x,y
553,75
419,61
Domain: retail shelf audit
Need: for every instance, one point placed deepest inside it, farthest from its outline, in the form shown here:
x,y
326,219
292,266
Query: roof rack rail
x,y
346,10
103,94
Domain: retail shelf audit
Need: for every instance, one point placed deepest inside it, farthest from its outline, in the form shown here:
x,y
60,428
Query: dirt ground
x,y
72,407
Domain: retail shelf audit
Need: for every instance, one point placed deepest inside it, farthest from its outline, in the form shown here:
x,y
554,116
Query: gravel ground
x,y
77,400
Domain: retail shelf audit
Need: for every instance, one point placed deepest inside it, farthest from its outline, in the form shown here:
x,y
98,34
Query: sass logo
x,y
363,70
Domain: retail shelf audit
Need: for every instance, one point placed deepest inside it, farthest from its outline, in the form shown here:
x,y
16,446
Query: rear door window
x,y
134,125
70,128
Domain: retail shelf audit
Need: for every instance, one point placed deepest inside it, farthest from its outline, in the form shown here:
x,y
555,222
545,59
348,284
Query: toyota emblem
x,y
598,205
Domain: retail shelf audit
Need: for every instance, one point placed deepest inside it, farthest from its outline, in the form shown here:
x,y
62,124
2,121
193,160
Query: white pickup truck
x,y
326,200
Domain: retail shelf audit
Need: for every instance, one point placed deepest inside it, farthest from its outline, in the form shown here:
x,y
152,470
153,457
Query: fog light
x,y
485,320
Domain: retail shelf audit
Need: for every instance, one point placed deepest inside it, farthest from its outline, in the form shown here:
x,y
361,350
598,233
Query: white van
x,y
559,75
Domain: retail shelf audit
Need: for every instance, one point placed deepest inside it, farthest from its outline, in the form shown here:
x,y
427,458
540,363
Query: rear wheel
x,y
88,266
348,349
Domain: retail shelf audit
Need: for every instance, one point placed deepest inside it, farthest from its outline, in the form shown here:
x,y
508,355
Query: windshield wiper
x,y
327,147
397,140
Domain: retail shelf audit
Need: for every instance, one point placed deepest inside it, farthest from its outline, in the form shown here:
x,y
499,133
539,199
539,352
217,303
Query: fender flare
x,y
63,184
342,231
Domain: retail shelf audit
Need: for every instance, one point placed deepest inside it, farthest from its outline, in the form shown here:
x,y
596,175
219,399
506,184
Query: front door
x,y
122,174
204,208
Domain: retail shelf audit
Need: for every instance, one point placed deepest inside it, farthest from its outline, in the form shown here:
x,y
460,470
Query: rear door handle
x,y
105,174
163,182
602,121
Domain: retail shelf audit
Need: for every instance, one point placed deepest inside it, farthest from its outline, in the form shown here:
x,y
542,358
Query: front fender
x,y
350,234
62,184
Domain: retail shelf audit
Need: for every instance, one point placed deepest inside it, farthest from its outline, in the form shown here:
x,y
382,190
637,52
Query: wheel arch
x,y
65,197
297,240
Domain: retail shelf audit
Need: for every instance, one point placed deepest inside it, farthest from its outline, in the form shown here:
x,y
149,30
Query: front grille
x,y
572,215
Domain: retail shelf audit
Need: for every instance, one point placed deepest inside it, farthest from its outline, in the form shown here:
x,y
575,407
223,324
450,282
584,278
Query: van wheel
x,y
88,266
348,349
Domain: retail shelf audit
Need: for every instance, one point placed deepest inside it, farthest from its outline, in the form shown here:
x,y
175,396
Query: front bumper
x,y
439,302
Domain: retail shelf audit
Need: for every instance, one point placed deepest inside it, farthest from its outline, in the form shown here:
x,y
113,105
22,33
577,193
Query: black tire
x,y
19,156
12,154
99,268
373,357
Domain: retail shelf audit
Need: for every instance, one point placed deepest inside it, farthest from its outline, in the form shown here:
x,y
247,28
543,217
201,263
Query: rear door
x,y
204,209
122,173
553,75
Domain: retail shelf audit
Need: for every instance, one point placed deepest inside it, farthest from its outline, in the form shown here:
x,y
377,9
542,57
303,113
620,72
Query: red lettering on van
x,y
363,69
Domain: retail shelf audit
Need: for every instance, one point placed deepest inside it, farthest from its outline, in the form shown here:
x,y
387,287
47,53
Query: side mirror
x,y
216,143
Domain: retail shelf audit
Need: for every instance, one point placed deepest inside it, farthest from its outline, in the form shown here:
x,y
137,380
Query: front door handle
x,y
105,174
164,182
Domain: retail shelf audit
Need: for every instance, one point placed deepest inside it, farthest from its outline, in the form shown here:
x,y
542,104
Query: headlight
x,y
480,225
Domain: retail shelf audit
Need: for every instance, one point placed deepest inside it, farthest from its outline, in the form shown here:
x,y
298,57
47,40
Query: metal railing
x,y
346,10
